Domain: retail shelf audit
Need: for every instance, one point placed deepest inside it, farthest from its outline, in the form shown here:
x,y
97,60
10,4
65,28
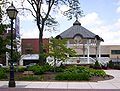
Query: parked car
x,y
31,64
14,64
1,65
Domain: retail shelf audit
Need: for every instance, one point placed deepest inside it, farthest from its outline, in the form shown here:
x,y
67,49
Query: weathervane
x,y
76,16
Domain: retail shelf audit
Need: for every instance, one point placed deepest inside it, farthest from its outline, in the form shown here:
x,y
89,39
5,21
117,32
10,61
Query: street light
x,y
12,13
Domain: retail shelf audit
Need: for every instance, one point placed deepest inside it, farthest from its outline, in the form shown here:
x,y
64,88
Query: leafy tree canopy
x,y
59,50
4,40
44,11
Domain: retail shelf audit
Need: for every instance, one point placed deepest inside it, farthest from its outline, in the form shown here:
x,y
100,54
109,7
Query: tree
x,y
4,40
42,11
59,50
45,18
0,15
6,36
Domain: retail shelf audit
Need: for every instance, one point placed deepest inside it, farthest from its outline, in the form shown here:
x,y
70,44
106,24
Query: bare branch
x,y
22,1
32,4
51,2
28,10
4,3
39,10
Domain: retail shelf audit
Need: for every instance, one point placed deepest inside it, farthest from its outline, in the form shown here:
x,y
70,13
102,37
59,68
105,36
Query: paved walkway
x,y
107,84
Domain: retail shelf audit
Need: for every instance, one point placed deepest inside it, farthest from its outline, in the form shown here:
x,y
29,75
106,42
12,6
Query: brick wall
x,y
32,45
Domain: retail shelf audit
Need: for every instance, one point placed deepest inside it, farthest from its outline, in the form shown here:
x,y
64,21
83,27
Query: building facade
x,y
31,46
111,51
30,50
84,42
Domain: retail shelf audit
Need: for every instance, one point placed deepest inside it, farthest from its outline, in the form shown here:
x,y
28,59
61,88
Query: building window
x,y
115,51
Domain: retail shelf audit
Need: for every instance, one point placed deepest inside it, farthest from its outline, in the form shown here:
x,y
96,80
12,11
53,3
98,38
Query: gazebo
x,y
80,36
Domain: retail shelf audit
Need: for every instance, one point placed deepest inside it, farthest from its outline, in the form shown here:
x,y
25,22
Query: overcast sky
x,y
102,17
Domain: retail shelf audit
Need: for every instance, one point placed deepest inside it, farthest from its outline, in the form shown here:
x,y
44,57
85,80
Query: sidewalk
x,y
107,84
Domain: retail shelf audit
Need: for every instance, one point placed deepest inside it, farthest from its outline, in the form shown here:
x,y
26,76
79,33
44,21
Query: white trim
x,y
99,48
88,51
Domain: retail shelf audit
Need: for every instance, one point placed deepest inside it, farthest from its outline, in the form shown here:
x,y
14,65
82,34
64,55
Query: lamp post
x,y
12,13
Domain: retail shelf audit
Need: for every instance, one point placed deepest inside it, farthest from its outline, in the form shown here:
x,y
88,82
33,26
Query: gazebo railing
x,y
79,60
103,60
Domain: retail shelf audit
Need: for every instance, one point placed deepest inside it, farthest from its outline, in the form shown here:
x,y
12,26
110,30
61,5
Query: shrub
x,y
97,65
74,73
94,72
99,73
117,66
79,73
57,69
6,69
47,67
72,76
72,68
3,74
78,69
38,70
105,66
91,65
30,78
114,65
21,69
111,64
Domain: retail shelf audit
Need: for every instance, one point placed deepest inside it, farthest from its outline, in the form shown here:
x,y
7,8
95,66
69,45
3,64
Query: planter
x,y
78,61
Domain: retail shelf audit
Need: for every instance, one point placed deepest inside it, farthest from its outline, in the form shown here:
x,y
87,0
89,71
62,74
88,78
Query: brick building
x,y
30,50
31,46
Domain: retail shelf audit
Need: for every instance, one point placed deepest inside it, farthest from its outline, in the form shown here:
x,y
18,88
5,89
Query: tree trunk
x,y
41,56
54,65
41,52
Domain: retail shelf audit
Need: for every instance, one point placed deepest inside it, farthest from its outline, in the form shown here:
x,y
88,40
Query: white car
x,y
31,64
1,65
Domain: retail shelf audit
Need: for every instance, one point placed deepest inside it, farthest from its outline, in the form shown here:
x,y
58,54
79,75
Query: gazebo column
x,y
21,62
88,51
98,52
83,48
7,63
68,46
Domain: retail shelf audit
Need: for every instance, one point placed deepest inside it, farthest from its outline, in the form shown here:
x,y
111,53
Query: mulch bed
x,y
97,78
49,76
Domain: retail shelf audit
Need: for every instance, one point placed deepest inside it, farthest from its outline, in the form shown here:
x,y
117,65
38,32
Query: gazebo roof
x,y
77,29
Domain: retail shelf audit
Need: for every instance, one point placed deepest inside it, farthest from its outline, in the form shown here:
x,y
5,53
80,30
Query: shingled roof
x,y
77,29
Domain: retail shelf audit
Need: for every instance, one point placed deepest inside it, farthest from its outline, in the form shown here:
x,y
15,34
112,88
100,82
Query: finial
x,y
11,3
77,23
76,16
